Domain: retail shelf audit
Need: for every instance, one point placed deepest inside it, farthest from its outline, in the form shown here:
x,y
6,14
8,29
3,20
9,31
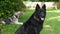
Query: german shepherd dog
x,y
13,19
35,23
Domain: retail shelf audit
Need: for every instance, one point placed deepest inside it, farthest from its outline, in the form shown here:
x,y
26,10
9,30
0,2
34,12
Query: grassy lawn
x,y
51,24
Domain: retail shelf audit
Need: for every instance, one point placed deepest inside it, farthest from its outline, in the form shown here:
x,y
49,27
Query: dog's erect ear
x,y
44,7
37,7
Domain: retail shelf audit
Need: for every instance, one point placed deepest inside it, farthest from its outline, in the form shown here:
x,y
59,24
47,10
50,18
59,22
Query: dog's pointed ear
x,y
37,7
44,7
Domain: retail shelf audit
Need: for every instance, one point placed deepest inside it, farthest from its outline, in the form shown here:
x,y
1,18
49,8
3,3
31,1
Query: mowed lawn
x,y
51,23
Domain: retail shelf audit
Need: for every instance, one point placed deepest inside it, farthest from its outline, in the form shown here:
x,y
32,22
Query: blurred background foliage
x,y
43,0
7,7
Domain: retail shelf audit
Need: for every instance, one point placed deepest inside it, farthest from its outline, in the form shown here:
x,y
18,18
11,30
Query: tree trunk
x,y
58,5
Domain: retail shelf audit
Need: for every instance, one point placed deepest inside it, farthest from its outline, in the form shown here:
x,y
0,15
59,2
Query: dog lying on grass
x,y
13,19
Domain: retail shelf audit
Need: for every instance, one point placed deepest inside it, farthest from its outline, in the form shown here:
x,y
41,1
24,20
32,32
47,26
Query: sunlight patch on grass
x,y
48,27
51,18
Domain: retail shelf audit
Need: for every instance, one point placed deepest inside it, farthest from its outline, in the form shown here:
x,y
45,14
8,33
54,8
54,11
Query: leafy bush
x,y
7,7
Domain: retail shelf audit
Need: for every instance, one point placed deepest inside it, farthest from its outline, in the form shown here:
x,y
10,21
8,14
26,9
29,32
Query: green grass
x,y
50,26
26,15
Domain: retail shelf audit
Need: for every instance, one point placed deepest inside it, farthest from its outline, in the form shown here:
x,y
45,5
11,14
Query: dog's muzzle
x,y
42,18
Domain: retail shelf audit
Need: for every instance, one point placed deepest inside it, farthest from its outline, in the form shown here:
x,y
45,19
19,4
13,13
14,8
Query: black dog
x,y
35,23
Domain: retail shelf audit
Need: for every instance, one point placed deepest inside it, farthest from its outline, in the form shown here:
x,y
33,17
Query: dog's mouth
x,y
42,18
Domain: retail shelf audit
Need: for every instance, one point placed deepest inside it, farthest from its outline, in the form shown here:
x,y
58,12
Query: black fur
x,y
34,24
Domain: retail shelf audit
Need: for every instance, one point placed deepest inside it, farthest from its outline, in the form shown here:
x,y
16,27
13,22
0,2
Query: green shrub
x,y
7,7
